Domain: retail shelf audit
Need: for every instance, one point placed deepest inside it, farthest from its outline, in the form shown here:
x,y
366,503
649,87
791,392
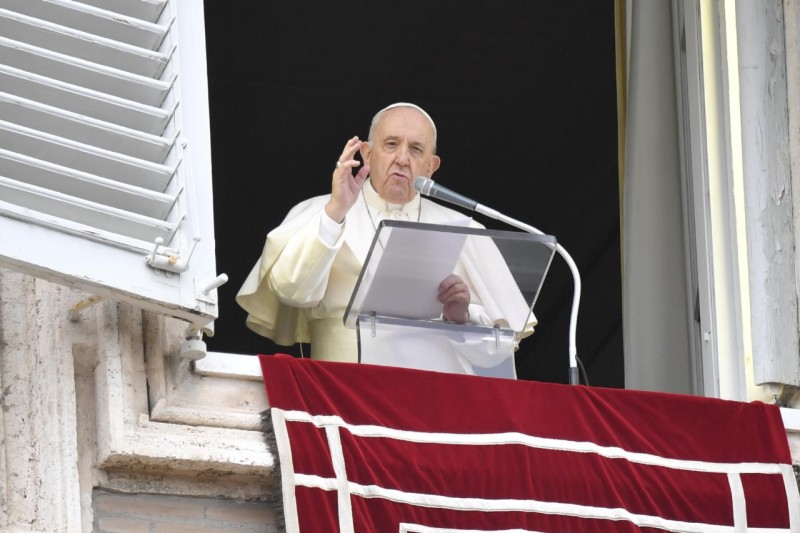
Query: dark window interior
x,y
524,97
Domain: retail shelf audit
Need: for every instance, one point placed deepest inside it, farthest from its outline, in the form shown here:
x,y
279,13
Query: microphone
x,y
428,187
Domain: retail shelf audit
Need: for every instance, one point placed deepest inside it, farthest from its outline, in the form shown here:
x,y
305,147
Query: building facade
x,y
114,417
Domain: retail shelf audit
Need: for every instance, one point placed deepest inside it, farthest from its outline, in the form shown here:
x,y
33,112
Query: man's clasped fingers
x,y
454,297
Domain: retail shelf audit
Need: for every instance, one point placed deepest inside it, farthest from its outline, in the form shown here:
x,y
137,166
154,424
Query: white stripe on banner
x,y
738,503
317,482
533,506
287,470
793,495
479,504
342,485
418,528
610,452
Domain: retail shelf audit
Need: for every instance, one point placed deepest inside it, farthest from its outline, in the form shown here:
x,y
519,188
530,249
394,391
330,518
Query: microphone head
x,y
423,185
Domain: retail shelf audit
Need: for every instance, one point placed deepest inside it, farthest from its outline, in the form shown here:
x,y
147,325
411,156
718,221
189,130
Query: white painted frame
x,y
713,193
73,256
738,83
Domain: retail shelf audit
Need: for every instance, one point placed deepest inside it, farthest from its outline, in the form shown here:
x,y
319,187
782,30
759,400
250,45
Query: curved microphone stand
x,y
428,187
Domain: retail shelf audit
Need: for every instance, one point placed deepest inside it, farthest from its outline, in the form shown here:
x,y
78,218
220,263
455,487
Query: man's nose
x,y
402,155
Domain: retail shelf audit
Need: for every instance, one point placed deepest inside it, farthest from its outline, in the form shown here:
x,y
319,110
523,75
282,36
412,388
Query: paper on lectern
x,y
405,283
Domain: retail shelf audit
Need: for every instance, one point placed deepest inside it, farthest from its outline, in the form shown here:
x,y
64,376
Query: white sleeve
x,y
330,231
300,275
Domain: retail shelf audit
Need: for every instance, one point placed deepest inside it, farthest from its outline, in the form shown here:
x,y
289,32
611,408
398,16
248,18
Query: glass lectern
x,y
395,310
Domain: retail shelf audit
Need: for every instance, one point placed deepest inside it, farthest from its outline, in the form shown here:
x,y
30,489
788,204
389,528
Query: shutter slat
x,y
83,73
92,20
63,123
90,159
95,104
16,195
86,186
148,10
79,44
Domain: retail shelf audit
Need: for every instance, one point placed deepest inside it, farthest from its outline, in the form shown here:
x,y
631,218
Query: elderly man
x,y
299,289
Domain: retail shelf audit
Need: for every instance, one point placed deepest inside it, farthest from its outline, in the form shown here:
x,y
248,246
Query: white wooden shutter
x,y
104,148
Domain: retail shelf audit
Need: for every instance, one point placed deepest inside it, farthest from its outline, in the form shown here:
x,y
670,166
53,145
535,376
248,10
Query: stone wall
x,y
145,513
98,413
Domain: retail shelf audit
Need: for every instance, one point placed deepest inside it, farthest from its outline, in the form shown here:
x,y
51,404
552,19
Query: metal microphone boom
x,y
428,187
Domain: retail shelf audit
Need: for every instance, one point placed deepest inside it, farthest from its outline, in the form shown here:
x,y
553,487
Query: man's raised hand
x,y
345,185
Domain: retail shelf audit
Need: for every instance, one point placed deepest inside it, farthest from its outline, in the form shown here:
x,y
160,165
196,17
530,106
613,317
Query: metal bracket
x,y
75,312
167,259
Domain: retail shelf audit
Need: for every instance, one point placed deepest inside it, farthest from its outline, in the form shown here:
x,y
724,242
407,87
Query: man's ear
x,y
365,150
435,162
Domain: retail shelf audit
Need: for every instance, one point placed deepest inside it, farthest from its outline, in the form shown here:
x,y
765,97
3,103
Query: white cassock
x,y
300,287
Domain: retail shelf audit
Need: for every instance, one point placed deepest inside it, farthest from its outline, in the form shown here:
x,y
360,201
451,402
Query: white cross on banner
x,y
365,448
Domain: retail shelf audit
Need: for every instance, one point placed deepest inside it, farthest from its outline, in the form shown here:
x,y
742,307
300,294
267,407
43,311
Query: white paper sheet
x,y
413,264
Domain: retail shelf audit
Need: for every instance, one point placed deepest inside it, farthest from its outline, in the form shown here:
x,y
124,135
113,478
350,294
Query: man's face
x,y
401,149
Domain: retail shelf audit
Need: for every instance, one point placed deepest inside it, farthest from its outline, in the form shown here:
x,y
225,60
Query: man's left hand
x,y
454,297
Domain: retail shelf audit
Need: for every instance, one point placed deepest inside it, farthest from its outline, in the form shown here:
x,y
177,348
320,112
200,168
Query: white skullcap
x,y
403,104
412,106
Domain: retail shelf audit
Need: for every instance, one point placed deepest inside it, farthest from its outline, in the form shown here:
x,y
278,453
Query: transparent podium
x,y
395,310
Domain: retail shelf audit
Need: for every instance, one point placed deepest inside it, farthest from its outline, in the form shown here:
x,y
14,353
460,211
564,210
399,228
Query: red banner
x,y
367,448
